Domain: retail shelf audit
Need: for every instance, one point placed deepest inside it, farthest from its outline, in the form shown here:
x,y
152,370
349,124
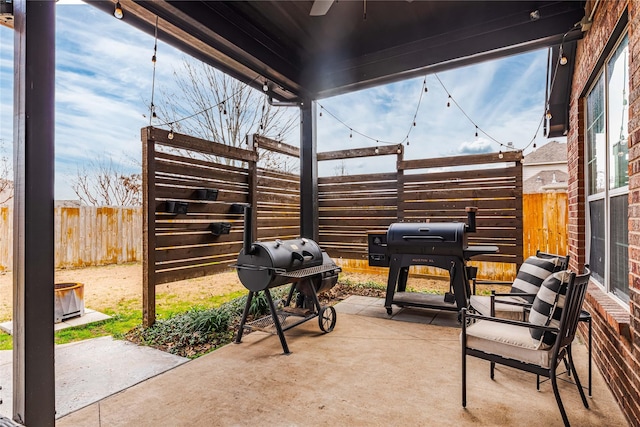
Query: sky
x,y
104,87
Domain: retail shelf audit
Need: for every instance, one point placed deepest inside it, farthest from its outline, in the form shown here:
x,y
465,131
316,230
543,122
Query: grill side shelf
x,y
310,271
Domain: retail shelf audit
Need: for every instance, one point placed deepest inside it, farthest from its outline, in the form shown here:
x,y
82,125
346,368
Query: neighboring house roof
x,y
552,152
553,180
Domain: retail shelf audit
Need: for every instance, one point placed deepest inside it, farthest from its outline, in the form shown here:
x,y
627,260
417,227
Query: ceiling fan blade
x,y
320,7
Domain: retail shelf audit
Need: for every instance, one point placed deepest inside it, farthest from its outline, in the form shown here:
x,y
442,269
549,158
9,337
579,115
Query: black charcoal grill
x,y
301,262
442,245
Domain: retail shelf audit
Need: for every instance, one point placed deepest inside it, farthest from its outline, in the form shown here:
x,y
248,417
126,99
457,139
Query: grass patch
x,y
126,316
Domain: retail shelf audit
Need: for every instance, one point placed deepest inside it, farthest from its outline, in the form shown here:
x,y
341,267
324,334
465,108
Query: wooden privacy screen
x,y
194,193
436,190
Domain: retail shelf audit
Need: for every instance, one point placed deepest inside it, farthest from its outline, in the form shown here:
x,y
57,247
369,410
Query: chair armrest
x,y
468,315
488,282
526,305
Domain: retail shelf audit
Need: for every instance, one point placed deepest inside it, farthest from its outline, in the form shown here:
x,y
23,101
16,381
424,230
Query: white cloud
x,y
475,147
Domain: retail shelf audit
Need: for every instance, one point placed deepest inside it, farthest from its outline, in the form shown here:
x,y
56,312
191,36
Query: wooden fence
x,y
84,236
87,236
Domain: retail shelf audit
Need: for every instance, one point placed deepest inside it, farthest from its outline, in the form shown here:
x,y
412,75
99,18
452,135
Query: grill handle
x,y
304,256
434,238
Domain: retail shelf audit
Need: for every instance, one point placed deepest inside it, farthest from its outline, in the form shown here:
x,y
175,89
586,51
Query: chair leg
x,y
492,370
556,393
538,382
576,379
464,378
464,357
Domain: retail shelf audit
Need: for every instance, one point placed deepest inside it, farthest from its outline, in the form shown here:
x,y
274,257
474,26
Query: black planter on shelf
x,y
174,207
208,194
218,228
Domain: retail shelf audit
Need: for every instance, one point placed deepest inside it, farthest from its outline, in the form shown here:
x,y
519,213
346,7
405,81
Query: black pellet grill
x,y
300,262
442,245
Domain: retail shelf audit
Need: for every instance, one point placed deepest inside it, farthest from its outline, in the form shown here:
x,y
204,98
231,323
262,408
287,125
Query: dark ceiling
x,y
303,56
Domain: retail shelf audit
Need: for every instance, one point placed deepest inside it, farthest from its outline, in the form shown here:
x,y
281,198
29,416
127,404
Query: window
x,y
607,119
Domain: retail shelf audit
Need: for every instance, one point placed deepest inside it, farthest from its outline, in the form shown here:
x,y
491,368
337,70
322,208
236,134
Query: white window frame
x,y
608,193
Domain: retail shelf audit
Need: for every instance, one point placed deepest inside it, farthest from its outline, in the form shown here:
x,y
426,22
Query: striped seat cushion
x,y
532,273
547,307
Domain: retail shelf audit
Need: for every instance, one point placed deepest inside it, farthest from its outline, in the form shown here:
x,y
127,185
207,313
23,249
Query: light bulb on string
x,y
153,111
407,142
171,135
563,57
153,58
350,133
535,145
449,101
320,112
476,131
414,123
265,86
377,150
117,12
500,155
549,116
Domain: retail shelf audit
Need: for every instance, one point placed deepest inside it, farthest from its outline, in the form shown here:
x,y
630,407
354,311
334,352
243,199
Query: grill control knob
x,y
278,243
304,240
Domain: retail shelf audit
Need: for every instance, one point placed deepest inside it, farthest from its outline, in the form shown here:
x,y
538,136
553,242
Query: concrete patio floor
x,y
371,370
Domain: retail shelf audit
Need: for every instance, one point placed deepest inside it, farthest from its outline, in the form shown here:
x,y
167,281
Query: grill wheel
x,y
327,318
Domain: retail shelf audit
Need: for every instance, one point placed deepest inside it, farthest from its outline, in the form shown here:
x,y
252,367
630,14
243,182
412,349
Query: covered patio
x,y
278,48
370,371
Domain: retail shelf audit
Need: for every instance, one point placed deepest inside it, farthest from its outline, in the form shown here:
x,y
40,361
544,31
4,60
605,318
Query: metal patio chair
x,y
516,303
537,347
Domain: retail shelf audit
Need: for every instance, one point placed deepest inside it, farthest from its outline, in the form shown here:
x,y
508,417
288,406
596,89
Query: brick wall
x,y
616,330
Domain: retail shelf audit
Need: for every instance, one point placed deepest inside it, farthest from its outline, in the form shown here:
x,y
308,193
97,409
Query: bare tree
x,y
340,169
6,175
102,183
214,106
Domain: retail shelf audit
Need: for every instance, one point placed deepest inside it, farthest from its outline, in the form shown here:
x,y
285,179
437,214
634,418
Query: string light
x,y
265,86
377,150
350,133
117,12
500,155
153,78
170,136
476,131
449,101
563,57
549,116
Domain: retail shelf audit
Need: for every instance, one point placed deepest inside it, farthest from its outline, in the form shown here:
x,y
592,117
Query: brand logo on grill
x,y
429,260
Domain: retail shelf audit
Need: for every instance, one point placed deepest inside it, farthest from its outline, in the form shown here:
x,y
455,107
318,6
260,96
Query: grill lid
x,y
426,237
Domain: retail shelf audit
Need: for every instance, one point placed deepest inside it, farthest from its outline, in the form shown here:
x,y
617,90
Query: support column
x,y
308,172
33,253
